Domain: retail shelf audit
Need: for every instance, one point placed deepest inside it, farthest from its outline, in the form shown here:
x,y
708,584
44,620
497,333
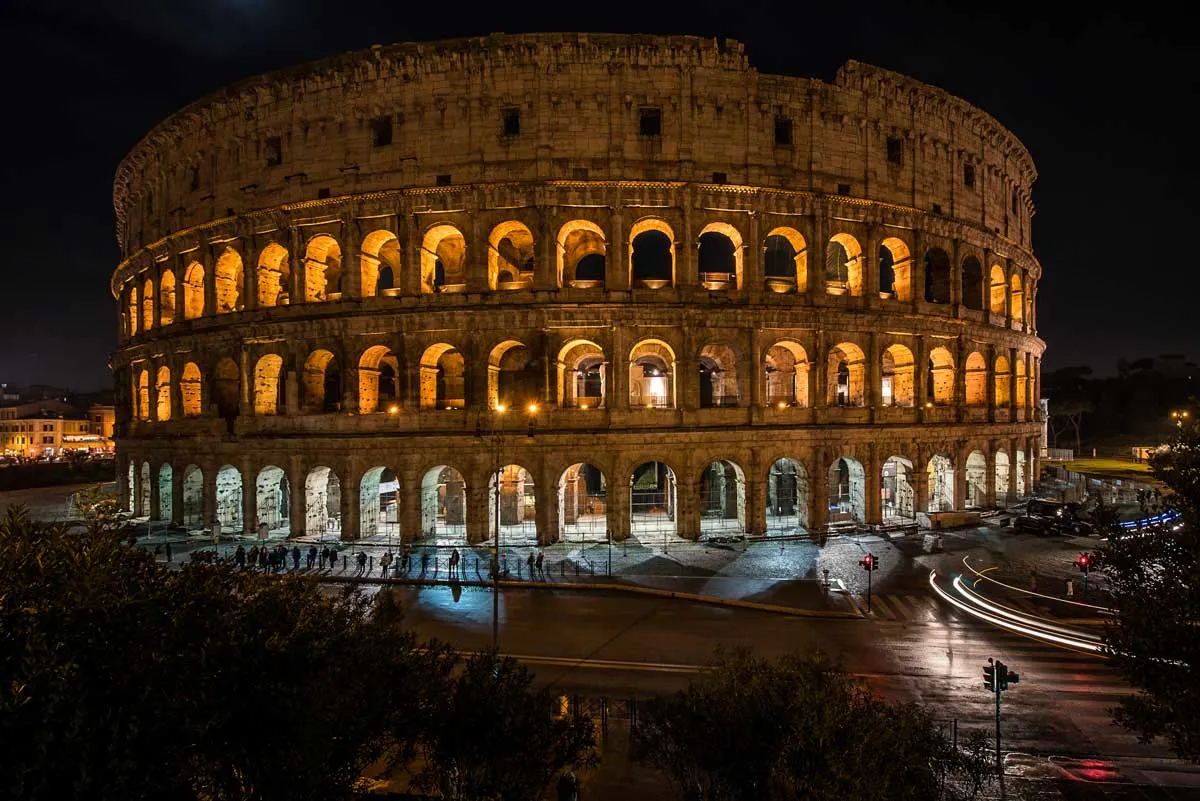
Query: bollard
x,y
345,564
576,568
562,568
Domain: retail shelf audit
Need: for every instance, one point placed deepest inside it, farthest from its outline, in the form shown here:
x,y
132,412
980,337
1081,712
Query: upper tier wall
x,y
411,115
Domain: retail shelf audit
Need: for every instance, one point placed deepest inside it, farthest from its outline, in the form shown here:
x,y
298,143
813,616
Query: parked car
x,y
1052,517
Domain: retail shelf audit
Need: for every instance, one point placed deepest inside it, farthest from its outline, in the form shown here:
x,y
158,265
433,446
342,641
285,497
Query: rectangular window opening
x,y
579,173
381,131
442,180
650,121
937,208
511,118
783,132
274,151
720,178
843,189
895,152
969,176
322,193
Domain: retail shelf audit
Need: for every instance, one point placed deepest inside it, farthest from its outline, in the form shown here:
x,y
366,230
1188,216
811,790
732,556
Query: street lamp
x,y
1179,415
494,437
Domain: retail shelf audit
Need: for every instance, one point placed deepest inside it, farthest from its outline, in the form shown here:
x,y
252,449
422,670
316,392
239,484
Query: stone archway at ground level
x,y
444,506
379,504
323,504
897,494
940,474
722,499
653,517
976,475
582,504
193,496
847,491
787,497
515,504
166,500
273,502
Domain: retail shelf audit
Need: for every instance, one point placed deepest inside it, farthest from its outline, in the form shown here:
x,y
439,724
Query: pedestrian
x,y
239,557
568,787
362,563
169,558
454,562
540,570
310,558
406,558
295,557
1070,588
529,560
385,562
424,562
263,557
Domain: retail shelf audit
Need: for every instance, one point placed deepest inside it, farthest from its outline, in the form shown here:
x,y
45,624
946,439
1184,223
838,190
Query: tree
x,y
119,679
1154,580
495,737
800,728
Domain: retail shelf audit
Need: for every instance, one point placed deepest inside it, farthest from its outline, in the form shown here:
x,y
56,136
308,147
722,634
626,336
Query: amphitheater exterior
x,y
648,288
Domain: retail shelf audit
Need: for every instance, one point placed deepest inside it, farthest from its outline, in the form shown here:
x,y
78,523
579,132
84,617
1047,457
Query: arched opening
x,y
976,480
846,375
228,277
581,375
847,492
229,500
227,388
1022,383
443,260
898,387
273,502
144,494
719,257
976,380
997,290
322,269
514,376
972,283
274,276
379,504
378,380
895,269
786,367
897,492
147,305
190,391
843,266
193,291
166,298
1003,385
322,385
581,255
787,497
142,391
941,377
166,498
785,261
652,489
379,263
652,375
443,383
134,316
940,472
651,254
193,497
1003,480
722,499
322,504
162,405
937,276
719,377
268,386
1017,302
1020,473
444,506
516,506
510,256
582,504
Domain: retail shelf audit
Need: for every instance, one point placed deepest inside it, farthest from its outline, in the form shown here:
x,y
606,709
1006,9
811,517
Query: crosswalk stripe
x,y
877,604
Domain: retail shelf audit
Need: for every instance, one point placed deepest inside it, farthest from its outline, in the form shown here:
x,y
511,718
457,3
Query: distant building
x,y
44,428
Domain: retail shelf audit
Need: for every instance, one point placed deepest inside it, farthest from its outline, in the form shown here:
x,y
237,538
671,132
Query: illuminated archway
x,y
652,375
846,375
228,278
843,266
722,499
143,395
895,269
193,497
847,491
514,376
997,290
582,251
787,497
163,393
193,291
379,263
786,367
719,376
322,504
1017,293
1003,382
940,474
896,493
229,500
378,380
898,385
322,269
976,379
516,505
720,256
976,475
273,502
785,261
652,512
166,498
1022,383
510,256
322,385
379,504
582,504
941,377
268,385
651,254
274,276
190,391
582,374
166,298
1003,479
444,506
147,305
443,260
443,383
144,493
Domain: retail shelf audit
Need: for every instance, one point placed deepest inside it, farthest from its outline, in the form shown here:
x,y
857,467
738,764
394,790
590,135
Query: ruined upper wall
x,y
579,98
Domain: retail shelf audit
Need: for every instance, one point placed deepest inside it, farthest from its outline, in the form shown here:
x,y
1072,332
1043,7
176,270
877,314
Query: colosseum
x,y
573,287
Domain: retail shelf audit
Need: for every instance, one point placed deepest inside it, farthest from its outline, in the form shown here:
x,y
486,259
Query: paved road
x,y
623,646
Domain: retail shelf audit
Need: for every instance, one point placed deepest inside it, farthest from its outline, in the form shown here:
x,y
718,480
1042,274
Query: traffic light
x,y
869,562
1005,677
989,676
1083,563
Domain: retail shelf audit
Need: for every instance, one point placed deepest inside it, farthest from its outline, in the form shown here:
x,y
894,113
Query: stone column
x,y
545,275
348,503
960,378
1011,400
352,259
616,507
298,507
989,496
874,389
921,481
545,493
410,506
210,287
818,495
816,257
757,478
753,272
818,386
616,257
180,269
686,250
617,392
479,526
249,496
476,256
687,507
245,408
961,452
1014,445
210,493
155,492
874,485
921,374
754,361
176,496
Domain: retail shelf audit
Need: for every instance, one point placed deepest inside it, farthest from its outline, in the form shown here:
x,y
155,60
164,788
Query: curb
x,y
609,587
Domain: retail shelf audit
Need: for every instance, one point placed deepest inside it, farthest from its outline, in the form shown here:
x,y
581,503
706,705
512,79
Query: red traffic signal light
x,y
869,562
989,676
1084,563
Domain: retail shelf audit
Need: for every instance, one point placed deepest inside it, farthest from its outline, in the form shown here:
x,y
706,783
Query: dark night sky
x,y
1105,103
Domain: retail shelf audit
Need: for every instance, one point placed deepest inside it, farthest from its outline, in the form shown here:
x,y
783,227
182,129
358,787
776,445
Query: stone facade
x,y
377,278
